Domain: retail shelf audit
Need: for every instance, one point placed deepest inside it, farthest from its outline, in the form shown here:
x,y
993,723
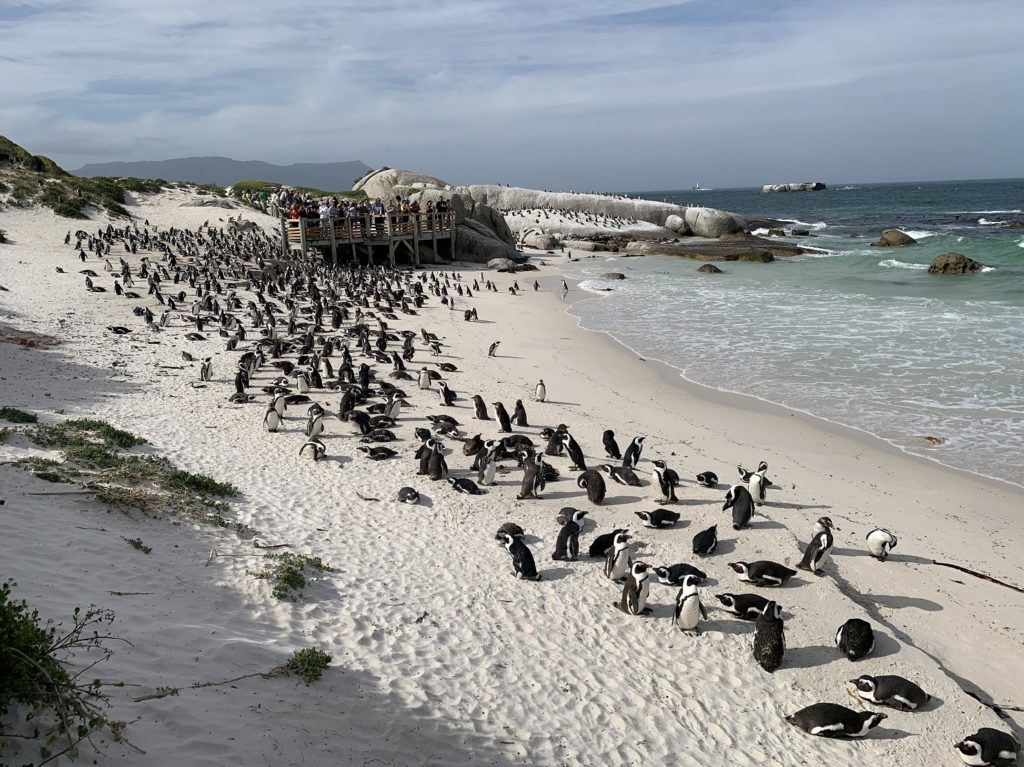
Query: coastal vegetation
x,y
287,573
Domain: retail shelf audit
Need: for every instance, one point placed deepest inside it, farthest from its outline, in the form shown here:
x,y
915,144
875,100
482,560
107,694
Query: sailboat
x,y
698,188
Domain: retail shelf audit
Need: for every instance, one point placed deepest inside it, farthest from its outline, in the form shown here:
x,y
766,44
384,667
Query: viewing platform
x,y
410,238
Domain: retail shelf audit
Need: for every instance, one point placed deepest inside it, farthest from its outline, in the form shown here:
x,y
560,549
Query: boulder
x,y
1013,225
776,232
538,238
501,264
709,222
801,232
894,238
709,269
612,276
953,263
385,183
677,224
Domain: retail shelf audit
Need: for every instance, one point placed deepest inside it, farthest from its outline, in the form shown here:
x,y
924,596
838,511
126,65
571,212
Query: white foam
x,y
892,263
815,226
761,231
919,234
985,222
597,287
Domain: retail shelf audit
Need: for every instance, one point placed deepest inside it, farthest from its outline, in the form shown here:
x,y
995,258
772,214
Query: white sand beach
x,y
440,656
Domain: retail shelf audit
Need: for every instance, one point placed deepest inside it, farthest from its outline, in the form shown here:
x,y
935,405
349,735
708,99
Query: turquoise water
x,y
857,335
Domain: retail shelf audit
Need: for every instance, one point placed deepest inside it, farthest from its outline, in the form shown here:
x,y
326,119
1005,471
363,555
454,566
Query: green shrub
x,y
288,576
198,483
308,664
83,431
137,544
36,672
14,415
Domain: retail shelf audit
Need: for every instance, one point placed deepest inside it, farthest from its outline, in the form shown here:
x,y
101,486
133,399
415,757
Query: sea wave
x,y
815,226
760,232
985,222
919,234
892,263
597,287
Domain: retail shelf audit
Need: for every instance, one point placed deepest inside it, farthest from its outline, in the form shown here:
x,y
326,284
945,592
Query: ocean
x,y
856,335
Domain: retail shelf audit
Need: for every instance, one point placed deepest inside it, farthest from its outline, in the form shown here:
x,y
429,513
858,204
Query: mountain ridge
x,y
224,171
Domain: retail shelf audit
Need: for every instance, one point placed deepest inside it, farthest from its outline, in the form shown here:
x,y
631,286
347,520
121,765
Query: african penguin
x,y
769,638
623,475
572,447
611,449
988,747
480,408
742,505
567,545
674,575
408,495
636,590
540,392
463,485
523,565
603,544
708,479
666,480
821,544
880,541
619,558
763,572
504,422
706,541
592,481
894,691
830,720
855,638
658,517
689,609
746,606
632,455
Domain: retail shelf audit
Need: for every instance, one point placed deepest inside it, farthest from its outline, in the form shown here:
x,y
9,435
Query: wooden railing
x,y
346,230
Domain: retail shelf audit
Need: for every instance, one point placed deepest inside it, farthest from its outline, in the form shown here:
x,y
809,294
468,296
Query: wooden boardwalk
x,y
416,236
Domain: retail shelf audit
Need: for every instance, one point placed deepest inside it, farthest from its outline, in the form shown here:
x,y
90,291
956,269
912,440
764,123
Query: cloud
x,y
605,95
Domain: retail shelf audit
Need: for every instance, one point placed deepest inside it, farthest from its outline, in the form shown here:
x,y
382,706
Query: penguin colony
x,y
301,333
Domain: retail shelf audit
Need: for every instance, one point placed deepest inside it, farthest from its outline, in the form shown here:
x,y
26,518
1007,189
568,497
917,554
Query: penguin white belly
x,y
689,615
756,489
619,567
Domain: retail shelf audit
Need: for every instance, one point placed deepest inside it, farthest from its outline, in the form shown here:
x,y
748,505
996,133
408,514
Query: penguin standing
x,y
738,499
567,545
619,559
757,482
988,747
706,541
611,449
447,395
504,422
821,544
271,419
592,481
437,468
830,720
315,425
575,452
533,480
636,590
423,456
880,541
423,380
856,639
206,370
894,691
666,480
632,455
480,408
486,467
523,564
769,638
689,609
540,393
519,414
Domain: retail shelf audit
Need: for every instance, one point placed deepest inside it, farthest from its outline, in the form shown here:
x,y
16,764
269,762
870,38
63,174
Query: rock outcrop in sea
x,y
894,238
799,186
954,263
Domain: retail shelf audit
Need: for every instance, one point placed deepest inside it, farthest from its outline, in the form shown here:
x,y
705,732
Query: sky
x,y
553,94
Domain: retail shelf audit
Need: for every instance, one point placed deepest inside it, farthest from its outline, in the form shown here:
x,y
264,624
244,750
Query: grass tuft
x,y
14,415
308,664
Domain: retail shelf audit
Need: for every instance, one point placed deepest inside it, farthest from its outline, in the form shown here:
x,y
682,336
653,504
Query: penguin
x,y
271,419
636,590
554,438
674,575
706,541
988,748
592,481
757,482
666,480
315,426
575,452
313,449
408,495
492,349
708,479
504,422
567,545
486,467
436,466
472,446
603,544
821,544
480,408
447,395
611,449
423,455
533,480
632,455
856,639
893,691
830,720
423,380
512,529
769,638
519,414
523,565
745,475
540,392
689,609
658,517
880,541
763,572
377,453
206,370
463,485
745,606
742,505
621,474
619,558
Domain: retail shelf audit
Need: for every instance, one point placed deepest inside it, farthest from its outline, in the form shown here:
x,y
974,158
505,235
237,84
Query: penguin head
x,y
739,567
621,537
873,719
762,466
504,537
728,600
823,524
644,515
730,497
690,581
969,748
772,610
640,570
864,683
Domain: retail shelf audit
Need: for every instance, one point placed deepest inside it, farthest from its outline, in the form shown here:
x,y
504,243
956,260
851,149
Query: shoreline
x,y
752,402
447,653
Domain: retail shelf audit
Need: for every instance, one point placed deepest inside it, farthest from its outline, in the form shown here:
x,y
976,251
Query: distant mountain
x,y
223,171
